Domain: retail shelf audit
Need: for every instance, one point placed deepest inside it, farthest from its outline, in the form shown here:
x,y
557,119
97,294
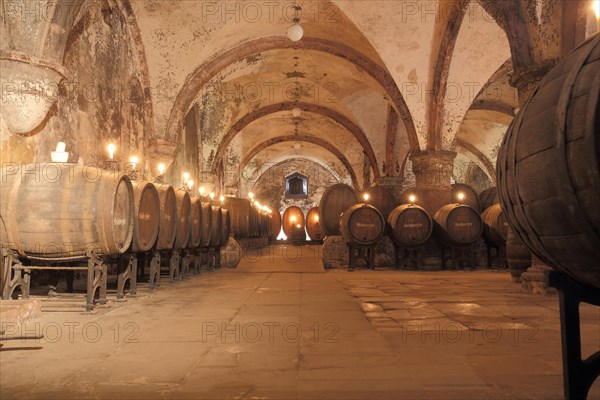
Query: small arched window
x,y
296,185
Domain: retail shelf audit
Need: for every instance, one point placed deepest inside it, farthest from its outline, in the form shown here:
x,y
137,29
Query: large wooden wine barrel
x,y
488,198
146,216
471,198
196,227
457,225
549,167
518,256
382,199
495,225
216,226
409,225
254,223
292,216
167,228
240,215
275,228
335,200
225,227
362,225
313,227
207,221
184,219
59,211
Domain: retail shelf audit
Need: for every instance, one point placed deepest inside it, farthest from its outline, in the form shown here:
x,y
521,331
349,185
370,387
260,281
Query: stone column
x,y
525,79
433,173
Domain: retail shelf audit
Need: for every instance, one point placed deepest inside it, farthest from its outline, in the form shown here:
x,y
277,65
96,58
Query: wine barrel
x,y
239,210
409,225
471,198
488,198
457,225
167,228
382,199
313,227
60,211
335,200
518,256
495,225
549,167
184,219
292,216
225,227
207,222
275,228
253,226
196,225
362,225
216,226
146,218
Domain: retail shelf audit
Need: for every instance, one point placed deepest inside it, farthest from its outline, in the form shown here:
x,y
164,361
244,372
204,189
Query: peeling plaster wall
x,y
270,187
100,101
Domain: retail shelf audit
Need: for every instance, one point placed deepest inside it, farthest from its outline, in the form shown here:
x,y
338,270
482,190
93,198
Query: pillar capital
x,y
433,168
525,78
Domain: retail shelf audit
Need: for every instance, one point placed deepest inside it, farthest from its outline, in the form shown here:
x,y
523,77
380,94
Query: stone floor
x,y
335,335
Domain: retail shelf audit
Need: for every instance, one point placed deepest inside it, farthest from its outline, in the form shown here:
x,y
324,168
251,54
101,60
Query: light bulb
x,y
250,195
186,177
221,198
366,197
295,32
412,198
134,161
461,197
201,190
296,112
316,218
190,183
293,219
212,195
596,7
111,148
161,169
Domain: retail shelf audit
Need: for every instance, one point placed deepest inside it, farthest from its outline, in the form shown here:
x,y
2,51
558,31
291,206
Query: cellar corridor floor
x,y
335,335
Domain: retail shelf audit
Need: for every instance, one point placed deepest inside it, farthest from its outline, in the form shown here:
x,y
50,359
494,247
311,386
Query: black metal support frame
x,y
356,253
409,257
461,257
578,375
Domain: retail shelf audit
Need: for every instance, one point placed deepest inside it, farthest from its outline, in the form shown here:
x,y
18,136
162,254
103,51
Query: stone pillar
x,y
525,79
433,173
392,183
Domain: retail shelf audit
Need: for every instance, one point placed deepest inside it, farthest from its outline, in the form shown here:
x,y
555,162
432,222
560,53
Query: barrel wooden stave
x,y
168,217
275,228
409,225
362,225
216,226
93,214
207,225
313,227
184,219
548,167
488,197
288,215
335,200
146,216
457,225
225,227
196,224
495,225
239,210
382,199
518,256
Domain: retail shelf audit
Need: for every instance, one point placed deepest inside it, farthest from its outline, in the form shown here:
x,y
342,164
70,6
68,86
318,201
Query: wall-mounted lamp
x,y
222,199
461,197
111,148
212,195
60,155
161,169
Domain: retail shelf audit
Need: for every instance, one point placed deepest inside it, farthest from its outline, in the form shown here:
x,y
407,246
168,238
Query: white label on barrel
x,y
364,225
119,221
463,224
413,225
144,217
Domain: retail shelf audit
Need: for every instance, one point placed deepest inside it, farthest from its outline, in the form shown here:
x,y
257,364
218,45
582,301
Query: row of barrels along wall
x,y
296,225
409,225
60,211
247,221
